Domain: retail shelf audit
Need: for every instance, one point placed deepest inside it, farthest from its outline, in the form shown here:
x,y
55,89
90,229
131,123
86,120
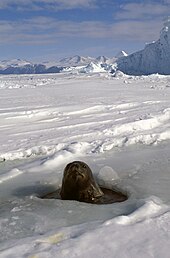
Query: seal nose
x,y
74,169
75,166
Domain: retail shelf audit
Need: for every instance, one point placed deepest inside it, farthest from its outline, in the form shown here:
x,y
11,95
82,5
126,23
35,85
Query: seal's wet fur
x,y
78,183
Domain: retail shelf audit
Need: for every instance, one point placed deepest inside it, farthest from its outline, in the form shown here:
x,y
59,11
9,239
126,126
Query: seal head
x,y
78,183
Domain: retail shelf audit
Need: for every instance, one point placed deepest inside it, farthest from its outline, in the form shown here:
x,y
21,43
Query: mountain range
x,y
154,58
18,66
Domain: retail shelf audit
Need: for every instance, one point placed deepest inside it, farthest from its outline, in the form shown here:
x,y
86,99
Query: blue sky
x,y
41,30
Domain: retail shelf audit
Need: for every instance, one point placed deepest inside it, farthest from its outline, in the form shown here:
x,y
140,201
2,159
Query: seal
x,y
79,184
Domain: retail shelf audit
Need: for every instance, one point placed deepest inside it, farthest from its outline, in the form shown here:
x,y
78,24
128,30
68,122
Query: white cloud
x,y
143,11
141,31
42,4
48,30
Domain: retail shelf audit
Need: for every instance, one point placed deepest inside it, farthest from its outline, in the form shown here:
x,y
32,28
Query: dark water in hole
x,y
109,196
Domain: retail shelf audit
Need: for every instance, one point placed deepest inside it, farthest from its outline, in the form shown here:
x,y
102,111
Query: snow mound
x,y
112,238
119,74
104,126
151,208
92,68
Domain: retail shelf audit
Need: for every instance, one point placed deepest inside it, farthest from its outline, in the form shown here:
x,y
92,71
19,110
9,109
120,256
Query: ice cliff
x,y
154,58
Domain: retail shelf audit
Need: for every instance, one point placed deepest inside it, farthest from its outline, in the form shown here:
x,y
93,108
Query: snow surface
x,y
120,126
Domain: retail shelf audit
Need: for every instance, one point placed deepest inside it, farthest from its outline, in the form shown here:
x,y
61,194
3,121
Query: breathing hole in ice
x,y
109,197
79,184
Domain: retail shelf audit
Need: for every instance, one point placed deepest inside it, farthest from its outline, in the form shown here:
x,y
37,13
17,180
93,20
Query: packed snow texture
x,y
154,58
120,126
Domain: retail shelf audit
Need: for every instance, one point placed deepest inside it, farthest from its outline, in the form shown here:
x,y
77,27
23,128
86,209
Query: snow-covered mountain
x,y
75,61
81,60
105,60
102,59
14,63
18,66
91,64
154,58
